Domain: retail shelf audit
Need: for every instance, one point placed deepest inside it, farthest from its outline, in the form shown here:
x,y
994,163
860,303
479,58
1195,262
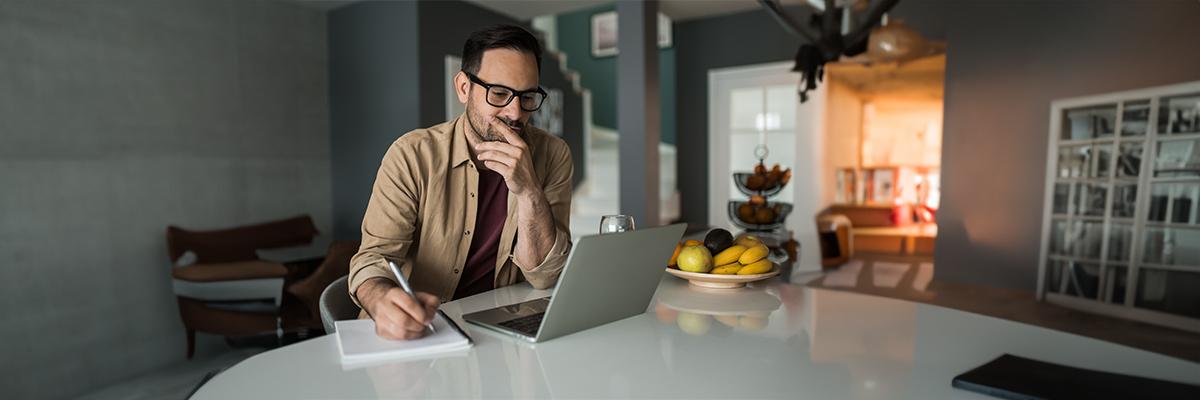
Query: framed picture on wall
x,y
604,33
883,186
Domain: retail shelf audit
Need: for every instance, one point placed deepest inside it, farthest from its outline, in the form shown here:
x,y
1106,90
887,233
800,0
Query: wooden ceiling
x,y
923,78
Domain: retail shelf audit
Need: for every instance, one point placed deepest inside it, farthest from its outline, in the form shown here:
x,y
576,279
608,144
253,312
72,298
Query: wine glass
x,y
616,223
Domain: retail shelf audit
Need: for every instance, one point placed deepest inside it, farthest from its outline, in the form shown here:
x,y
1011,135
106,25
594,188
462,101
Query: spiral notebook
x,y
358,343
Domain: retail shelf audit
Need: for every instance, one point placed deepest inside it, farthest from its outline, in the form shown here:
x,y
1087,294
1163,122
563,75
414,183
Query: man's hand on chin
x,y
397,315
510,159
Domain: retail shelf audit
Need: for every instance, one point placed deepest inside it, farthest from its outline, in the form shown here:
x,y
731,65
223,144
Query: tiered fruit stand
x,y
759,216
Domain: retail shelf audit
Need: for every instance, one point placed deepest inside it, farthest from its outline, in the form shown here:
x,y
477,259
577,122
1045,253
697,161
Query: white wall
x,y
809,186
118,118
900,131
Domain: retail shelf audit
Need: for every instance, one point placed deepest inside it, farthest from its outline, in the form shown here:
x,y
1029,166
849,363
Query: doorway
x,y
757,107
884,146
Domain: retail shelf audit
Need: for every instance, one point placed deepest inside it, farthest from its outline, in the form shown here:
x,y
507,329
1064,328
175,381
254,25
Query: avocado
x,y
718,240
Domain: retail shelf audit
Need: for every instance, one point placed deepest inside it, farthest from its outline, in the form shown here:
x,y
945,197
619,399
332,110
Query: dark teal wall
x,y
373,99
600,74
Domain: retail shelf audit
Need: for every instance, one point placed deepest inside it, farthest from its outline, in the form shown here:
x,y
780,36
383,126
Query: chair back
x,y
239,243
833,233
336,304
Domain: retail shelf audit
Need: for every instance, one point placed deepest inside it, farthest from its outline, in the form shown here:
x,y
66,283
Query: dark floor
x,y
910,278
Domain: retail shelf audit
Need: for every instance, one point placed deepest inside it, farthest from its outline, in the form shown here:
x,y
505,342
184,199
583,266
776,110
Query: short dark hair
x,y
496,37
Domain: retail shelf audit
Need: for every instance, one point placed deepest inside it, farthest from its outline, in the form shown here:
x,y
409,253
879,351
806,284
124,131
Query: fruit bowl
x,y
742,180
745,215
714,281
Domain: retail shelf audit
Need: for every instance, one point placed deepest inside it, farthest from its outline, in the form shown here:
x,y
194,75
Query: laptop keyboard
x,y
527,325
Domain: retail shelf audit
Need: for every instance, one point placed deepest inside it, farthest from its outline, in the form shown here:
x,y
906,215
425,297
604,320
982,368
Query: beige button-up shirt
x,y
423,208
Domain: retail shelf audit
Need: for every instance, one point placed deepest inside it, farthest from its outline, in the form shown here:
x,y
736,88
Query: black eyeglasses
x,y
499,95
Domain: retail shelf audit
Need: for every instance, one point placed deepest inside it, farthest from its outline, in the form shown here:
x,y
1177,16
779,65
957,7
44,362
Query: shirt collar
x,y
459,153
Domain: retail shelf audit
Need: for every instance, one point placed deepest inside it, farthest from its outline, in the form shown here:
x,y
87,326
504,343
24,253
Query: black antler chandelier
x,y
835,32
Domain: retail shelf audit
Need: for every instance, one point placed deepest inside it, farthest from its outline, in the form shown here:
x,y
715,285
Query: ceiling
x,y
324,5
677,10
920,78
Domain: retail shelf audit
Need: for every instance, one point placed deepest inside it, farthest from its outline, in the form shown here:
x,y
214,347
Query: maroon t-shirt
x,y
478,272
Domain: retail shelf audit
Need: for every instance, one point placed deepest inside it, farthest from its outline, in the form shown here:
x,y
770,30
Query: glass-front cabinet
x,y
1121,232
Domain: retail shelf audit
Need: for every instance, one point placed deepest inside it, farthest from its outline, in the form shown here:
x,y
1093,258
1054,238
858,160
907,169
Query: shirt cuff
x,y
367,272
555,259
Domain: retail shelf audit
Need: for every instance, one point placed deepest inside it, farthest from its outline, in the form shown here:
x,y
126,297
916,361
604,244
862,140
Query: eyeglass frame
x,y
487,87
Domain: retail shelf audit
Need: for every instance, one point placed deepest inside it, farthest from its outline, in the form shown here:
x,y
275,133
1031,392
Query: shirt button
x,y
466,232
472,194
456,270
471,164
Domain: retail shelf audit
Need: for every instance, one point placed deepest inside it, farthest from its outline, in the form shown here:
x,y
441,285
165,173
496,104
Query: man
x,y
475,203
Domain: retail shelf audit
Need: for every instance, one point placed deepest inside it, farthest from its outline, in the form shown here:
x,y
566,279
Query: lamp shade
x,y
895,41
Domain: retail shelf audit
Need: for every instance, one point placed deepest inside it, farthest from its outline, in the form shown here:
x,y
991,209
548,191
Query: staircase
x,y
599,194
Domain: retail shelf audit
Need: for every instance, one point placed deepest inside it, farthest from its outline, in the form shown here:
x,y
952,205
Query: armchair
x,y
221,285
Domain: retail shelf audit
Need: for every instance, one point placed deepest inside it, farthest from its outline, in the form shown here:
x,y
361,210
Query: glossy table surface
x,y
771,340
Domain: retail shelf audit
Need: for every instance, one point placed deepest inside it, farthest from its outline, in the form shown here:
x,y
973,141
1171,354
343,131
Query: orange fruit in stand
x,y
692,242
678,247
773,178
764,215
758,200
760,169
755,182
745,213
787,176
775,169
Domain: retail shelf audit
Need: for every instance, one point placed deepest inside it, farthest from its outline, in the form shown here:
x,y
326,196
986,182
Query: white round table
x,y
771,340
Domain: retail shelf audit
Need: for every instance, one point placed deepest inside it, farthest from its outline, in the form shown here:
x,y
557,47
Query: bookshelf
x,y
1121,226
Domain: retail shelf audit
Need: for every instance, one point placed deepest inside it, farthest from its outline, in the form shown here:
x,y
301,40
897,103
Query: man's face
x,y
515,69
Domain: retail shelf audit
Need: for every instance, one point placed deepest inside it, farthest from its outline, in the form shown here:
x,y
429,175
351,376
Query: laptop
x,y
607,278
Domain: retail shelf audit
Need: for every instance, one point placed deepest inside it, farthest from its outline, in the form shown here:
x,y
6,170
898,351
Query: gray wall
x,y
1006,62
373,97
443,26
117,119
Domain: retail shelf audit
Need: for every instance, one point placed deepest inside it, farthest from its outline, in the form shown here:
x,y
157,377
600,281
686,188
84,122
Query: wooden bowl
x,y
714,281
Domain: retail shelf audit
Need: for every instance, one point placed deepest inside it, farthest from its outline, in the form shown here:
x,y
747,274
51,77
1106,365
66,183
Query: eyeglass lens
x,y
500,97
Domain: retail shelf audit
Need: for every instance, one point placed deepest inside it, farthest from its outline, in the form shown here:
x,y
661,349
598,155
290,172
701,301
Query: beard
x,y
488,133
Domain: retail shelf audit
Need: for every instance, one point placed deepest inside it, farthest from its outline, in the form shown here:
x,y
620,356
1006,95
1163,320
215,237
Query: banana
x,y
730,255
747,241
753,254
727,269
759,267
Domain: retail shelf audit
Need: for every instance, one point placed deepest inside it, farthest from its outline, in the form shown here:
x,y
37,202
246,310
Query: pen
x,y
407,289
